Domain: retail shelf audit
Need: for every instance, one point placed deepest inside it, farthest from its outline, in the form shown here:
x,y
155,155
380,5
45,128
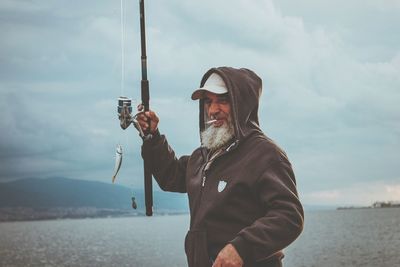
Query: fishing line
x,y
123,32
122,74
122,25
123,69
124,108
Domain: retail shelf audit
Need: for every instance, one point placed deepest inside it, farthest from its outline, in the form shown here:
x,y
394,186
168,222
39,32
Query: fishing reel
x,y
125,111
126,118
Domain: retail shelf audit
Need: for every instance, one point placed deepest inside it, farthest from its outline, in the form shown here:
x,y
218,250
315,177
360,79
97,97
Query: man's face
x,y
217,107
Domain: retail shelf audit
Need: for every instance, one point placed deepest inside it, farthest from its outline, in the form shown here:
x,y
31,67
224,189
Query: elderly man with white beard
x,y
244,206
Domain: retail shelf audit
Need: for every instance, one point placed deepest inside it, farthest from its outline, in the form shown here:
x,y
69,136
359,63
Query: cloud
x,y
360,194
330,87
393,191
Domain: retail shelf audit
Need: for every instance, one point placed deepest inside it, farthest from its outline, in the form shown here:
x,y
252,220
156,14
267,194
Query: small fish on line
x,y
118,161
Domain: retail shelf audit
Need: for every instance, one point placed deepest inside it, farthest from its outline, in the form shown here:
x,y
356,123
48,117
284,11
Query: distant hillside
x,y
70,193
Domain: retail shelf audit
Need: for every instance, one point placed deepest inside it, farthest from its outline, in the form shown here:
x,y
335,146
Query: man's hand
x,y
144,118
228,257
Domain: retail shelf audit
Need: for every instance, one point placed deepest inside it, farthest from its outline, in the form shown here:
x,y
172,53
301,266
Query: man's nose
x,y
213,109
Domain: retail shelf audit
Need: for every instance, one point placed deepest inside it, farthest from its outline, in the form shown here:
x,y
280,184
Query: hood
x,y
244,88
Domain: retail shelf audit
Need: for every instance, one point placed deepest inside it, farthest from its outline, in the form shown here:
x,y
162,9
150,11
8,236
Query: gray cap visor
x,y
200,93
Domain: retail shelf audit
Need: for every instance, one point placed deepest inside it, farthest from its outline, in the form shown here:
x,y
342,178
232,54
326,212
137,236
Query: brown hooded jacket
x,y
246,197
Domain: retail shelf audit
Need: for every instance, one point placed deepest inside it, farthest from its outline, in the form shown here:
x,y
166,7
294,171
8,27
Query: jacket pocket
x,y
196,249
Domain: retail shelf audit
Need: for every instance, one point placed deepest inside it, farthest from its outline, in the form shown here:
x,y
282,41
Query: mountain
x,y
59,192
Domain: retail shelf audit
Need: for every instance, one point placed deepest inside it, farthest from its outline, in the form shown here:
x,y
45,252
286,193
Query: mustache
x,y
219,117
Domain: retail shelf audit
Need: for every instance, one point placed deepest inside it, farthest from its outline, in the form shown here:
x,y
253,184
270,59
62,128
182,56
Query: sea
x,y
331,238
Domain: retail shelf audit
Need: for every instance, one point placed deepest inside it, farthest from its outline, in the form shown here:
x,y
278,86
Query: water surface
x,y
364,238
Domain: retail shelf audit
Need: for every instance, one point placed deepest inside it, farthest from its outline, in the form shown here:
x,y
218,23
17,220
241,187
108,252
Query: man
x,y
244,207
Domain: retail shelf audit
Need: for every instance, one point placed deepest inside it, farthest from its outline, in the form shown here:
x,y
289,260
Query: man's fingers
x,y
147,120
142,120
143,125
145,115
217,263
140,116
151,115
228,257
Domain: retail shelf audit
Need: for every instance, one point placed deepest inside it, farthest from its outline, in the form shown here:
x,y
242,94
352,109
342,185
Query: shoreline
x,y
22,214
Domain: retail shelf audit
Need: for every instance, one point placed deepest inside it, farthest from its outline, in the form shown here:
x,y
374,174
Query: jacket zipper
x,y
204,178
226,150
197,205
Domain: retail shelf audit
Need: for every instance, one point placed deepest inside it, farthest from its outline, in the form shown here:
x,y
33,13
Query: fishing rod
x,y
148,182
126,119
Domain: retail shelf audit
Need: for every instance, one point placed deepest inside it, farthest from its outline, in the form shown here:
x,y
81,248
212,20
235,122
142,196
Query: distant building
x,y
388,204
377,205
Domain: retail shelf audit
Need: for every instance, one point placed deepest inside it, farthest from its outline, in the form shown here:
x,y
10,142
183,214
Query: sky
x,y
330,70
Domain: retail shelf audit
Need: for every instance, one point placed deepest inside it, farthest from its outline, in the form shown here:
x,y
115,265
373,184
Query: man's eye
x,y
207,101
223,100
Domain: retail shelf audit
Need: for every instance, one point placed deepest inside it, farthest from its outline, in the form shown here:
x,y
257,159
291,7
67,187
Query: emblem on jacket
x,y
221,186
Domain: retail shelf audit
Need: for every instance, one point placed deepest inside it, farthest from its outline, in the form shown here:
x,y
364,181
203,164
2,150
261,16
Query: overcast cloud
x,y
331,73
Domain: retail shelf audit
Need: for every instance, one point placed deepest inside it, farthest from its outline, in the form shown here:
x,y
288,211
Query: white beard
x,y
214,138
